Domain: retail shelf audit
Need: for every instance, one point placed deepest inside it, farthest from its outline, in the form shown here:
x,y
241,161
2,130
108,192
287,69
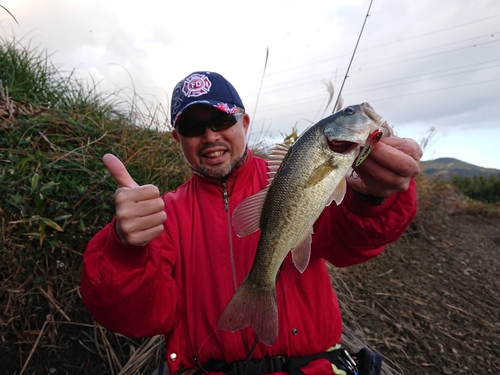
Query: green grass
x,y
55,193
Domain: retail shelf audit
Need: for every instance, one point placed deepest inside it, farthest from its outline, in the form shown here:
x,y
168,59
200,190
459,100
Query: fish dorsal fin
x,y
320,173
339,193
275,158
246,217
302,252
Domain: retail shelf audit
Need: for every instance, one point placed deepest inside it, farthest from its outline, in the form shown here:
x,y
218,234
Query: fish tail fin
x,y
254,308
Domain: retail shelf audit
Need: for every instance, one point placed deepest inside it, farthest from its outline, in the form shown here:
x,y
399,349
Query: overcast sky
x,y
422,64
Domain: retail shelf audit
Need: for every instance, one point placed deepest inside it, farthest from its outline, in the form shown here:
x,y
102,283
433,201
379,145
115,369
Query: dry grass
x,y
55,194
430,302
44,324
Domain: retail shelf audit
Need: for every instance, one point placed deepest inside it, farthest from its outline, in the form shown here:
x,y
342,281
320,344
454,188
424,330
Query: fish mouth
x,y
341,147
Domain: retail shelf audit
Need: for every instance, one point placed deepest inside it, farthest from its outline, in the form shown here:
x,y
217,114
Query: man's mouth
x,y
214,154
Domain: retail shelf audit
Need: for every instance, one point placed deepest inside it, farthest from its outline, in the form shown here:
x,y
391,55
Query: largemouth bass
x,y
304,179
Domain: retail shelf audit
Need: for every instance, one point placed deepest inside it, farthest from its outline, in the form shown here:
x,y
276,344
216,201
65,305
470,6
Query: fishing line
x,y
352,57
260,89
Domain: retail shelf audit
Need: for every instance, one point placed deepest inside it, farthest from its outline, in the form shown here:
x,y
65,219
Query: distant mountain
x,y
446,167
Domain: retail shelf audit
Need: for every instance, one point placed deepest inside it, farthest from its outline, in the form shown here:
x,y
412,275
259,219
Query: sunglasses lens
x,y
191,129
223,122
197,128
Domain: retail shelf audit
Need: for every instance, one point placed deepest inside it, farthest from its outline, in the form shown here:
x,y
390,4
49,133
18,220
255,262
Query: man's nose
x,y
210,135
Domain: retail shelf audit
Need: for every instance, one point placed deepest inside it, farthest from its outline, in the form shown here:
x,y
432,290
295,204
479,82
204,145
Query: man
x,y
170,264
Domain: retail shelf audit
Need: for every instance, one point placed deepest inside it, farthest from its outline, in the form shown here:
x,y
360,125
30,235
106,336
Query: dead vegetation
x,y
429,303
54,195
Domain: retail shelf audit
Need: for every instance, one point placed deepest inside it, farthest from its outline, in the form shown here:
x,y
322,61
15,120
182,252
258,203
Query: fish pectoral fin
x,y
338,193
246,217
302,252
320,173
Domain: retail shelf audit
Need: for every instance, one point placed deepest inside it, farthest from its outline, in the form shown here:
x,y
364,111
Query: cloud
x,y
419,63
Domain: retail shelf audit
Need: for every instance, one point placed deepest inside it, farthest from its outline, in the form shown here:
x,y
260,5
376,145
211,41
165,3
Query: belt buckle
x,y
278,365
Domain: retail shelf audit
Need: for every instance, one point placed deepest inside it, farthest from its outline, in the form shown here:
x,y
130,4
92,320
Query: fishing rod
x,y
352,57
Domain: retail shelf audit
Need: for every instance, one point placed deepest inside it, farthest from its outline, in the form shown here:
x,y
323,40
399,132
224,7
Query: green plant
x,y
55,194
481,188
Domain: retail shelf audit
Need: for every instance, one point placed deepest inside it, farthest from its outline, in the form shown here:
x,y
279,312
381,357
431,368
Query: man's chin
x,y
217,172
220,171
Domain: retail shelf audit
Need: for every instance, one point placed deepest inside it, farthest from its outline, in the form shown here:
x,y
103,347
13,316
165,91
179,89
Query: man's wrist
x,y
372,199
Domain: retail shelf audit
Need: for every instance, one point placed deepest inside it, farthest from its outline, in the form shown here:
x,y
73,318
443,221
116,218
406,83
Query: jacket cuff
x,y
367,205
122,255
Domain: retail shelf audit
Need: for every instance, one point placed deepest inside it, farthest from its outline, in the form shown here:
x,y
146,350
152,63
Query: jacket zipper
x,y
225,197
228,216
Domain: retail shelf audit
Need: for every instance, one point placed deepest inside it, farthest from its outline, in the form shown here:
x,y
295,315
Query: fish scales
x,y
310,176
291,207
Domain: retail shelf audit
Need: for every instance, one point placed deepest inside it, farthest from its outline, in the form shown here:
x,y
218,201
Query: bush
x,y
55,193
481,188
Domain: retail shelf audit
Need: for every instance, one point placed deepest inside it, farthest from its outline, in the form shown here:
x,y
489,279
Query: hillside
x,y
429,303
446,167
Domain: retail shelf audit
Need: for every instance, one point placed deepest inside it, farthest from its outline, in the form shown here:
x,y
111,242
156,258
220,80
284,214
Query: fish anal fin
x,y
246,217
302,252
252,307
320,173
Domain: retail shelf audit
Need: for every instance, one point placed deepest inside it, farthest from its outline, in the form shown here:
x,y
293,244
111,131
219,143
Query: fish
x,y
304,178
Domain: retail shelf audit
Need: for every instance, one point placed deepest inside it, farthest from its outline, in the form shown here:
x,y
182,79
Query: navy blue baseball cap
x,y
208,88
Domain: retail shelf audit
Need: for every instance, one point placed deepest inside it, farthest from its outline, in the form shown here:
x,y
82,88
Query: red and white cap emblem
x,y
196,85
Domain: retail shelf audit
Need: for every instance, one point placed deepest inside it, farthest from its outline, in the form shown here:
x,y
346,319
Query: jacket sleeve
x,y
356,230
121,288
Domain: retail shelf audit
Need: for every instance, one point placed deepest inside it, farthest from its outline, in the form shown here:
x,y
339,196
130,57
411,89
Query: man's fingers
x,y
384,184
406,145
401,160
134,203
119,172
141,224
142,238
390,167
139,194
139,209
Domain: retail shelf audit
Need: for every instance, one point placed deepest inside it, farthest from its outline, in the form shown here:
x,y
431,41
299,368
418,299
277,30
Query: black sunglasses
x,y
197,128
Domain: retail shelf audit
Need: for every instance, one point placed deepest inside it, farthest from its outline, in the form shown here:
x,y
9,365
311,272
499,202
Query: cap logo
x,y
196,85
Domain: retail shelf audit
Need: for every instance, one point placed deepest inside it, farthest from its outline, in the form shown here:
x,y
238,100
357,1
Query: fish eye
x,y
349,111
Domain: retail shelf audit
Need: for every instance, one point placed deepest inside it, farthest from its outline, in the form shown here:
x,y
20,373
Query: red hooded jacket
x,y
179,284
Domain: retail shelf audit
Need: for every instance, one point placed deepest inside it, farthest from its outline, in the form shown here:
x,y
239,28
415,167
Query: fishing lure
x,y
372,140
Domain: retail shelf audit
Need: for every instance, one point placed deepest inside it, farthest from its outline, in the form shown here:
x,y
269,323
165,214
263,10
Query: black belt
x,y
365,362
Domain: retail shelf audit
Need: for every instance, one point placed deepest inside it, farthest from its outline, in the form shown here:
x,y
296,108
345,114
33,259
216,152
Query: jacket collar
x,y
237,180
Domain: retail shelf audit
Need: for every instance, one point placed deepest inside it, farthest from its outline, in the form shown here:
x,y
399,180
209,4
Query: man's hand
x,y
139,209
391,165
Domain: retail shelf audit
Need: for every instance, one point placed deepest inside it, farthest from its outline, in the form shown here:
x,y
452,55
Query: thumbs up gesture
x,y
139,209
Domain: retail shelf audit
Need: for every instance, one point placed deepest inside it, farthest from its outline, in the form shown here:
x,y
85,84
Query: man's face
x,y
213,154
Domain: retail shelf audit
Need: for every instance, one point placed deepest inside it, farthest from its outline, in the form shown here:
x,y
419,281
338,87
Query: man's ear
x,y
246,122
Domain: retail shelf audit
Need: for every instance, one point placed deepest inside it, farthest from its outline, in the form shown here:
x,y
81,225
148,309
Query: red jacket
x,y
179,284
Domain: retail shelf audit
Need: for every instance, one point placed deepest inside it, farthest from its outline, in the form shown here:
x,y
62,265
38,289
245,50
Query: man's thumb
x,y
119,172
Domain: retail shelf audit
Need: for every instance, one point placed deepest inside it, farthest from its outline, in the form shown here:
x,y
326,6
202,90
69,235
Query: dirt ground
x,y
430,303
